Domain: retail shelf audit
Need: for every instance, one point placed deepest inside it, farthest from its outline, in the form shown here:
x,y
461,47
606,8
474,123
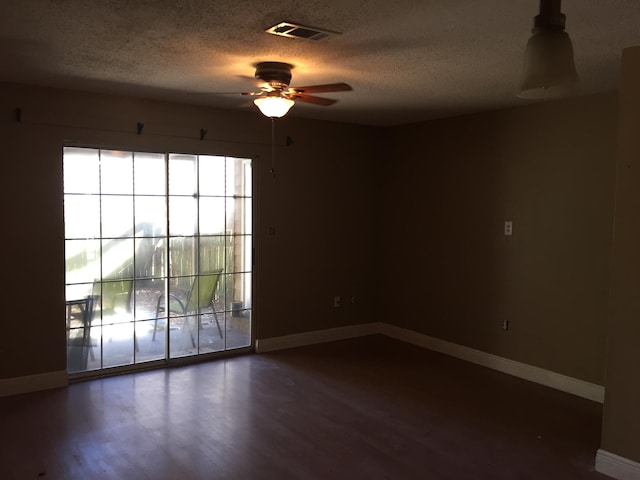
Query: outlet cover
x,y
508,228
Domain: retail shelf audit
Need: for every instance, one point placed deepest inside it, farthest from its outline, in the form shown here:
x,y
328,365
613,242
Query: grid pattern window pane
x,y
158,252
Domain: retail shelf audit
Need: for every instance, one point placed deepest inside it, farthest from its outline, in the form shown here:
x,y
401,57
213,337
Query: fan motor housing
x,y
274,73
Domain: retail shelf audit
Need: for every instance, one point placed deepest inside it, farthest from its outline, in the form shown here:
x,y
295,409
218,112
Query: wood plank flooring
x,y
368,408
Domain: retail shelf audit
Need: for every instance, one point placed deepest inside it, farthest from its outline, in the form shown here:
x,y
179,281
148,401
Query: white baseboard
x,y
538,375
318,336
616,466
44,381
32,383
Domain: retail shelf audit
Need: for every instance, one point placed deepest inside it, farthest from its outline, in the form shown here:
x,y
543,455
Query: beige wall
x,y
450,271
319,205
407,220
621,423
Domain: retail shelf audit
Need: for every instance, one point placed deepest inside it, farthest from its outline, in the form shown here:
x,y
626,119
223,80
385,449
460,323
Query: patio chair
x,y
79,317
112,298
114,302
115,296
200,297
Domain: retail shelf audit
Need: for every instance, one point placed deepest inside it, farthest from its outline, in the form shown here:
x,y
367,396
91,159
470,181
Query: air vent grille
x,y
292,30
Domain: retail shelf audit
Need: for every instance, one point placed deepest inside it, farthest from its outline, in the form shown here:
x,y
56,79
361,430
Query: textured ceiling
x,y
406,60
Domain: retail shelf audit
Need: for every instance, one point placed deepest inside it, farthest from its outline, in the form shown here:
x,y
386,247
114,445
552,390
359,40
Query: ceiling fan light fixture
x,y
549,68
274,106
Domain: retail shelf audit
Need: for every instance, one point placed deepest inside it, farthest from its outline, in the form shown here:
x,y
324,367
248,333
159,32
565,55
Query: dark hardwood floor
x,y
368,408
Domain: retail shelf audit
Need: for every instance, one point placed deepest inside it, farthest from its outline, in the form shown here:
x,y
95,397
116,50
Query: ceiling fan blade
x,y
325,102
329,87
212,93
224,93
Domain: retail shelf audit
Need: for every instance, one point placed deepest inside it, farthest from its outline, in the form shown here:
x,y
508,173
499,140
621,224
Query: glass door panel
x,y
158,256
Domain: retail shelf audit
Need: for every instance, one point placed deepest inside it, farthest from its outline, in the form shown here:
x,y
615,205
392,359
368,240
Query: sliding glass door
x,y
158,254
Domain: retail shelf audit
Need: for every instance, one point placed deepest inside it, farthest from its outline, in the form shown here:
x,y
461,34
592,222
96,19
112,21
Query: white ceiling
x,y
407,60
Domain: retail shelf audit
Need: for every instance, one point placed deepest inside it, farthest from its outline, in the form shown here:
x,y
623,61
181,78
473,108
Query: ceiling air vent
x,y
292,30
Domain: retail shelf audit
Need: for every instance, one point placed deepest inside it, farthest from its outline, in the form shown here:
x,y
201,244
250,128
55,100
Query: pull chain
x,y
273,147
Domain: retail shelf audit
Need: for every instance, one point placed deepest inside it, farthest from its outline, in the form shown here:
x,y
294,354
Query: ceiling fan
x,y
276,97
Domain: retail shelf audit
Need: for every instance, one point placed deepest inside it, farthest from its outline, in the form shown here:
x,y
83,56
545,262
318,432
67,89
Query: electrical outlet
x,y
337,301
508,228
505,325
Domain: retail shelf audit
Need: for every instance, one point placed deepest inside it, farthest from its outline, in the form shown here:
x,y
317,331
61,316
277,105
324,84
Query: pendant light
x,y
549,69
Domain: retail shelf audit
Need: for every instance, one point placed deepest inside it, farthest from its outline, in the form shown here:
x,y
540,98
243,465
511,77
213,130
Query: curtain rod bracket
x,y
139,127
203,132
18,114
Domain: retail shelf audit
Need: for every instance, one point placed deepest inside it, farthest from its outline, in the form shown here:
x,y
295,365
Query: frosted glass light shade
x,y
549,69
274,107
